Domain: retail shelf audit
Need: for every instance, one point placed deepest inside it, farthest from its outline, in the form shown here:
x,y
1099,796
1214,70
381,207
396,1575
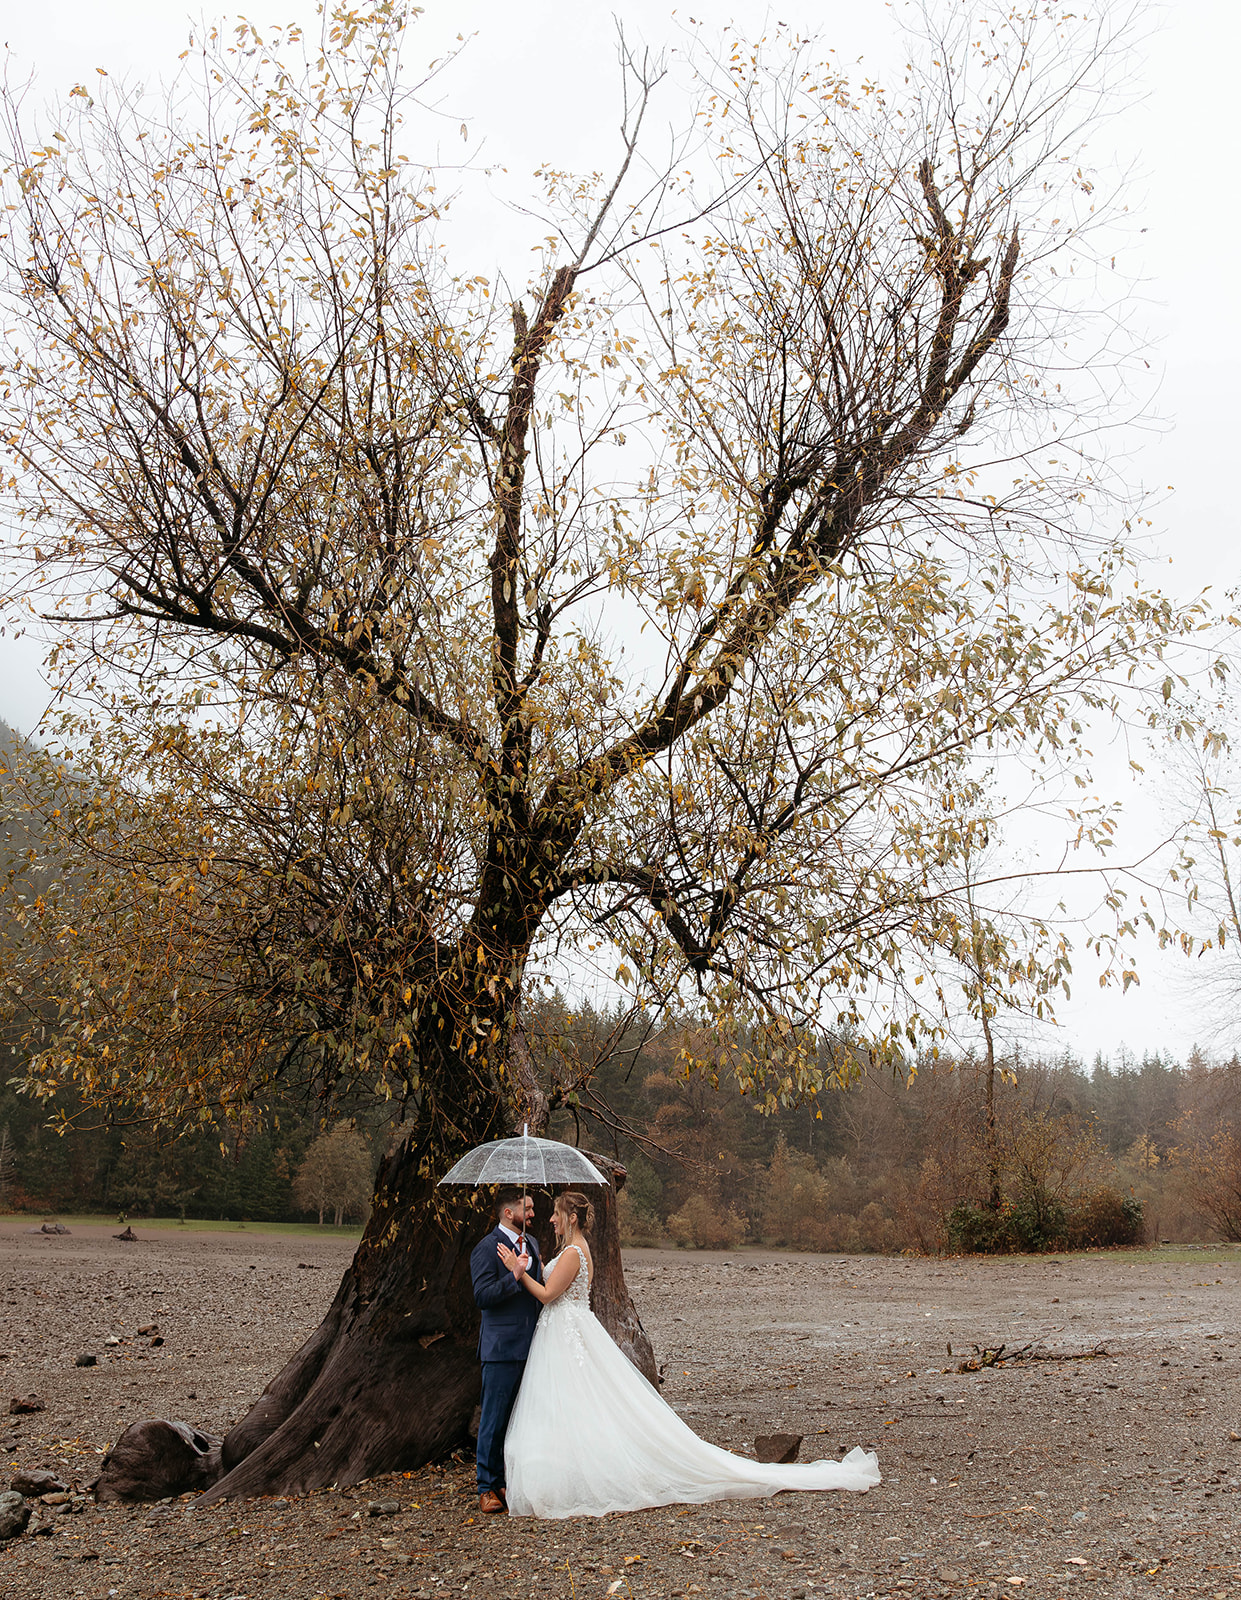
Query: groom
x,y
509,1315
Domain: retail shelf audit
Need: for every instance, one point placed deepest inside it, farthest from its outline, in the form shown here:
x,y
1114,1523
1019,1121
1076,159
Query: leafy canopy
x,y
674,612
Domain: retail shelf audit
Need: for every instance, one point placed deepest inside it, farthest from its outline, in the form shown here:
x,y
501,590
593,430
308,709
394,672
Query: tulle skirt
x,y
589,1435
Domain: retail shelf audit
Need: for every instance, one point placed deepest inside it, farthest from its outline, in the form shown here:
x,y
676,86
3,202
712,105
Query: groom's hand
x,y
515,1263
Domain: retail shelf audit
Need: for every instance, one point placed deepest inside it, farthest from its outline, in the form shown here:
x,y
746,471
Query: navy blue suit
x,y
509,1315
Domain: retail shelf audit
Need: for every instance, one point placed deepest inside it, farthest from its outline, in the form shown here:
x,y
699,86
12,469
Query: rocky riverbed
x,y
1113,1473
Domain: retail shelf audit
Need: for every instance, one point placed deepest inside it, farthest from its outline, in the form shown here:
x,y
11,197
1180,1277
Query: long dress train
x,y
589,1434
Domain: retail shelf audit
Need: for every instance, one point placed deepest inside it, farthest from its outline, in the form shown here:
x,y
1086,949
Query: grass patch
x,y
310,1230
1201,1255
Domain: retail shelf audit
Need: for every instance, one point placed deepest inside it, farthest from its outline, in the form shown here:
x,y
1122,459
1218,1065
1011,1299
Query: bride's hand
x,y
516,1264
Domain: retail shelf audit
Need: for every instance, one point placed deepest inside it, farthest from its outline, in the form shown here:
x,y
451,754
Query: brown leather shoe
x,y
491,1503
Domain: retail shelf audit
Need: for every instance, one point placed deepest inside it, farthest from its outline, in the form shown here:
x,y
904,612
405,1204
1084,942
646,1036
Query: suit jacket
x,y
509,1311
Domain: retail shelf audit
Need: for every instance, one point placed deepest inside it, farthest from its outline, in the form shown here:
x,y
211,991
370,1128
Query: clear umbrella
x,y
524,1160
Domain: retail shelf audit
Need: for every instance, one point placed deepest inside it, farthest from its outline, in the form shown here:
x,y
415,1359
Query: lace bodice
x,y
578,1292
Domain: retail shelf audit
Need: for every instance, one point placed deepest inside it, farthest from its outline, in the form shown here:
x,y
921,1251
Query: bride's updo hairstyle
x,y
572,1203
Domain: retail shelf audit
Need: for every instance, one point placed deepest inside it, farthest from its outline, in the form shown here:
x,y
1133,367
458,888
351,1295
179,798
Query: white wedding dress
x,y
589,1434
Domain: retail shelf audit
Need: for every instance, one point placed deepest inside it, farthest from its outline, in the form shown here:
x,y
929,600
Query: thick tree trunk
x,y
390,1378
609,1298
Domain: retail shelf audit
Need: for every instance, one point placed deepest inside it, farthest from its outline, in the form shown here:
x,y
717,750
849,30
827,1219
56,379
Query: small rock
x,y
86,1359
156,1341
58,1498
1235,1436
26,1407
14,1514
307,1266
781,1447
112,1341
147,1329
1078,1516
36,1483
382,1508
949,1575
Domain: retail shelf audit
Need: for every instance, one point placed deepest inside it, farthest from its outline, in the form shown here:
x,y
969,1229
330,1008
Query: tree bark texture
x,y
609,1297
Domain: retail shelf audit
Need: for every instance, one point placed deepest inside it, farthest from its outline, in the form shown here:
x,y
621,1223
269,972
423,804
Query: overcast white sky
x,y
539,84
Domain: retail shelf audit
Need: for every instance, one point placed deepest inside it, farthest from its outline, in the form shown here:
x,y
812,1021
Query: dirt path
x,y
1118,1472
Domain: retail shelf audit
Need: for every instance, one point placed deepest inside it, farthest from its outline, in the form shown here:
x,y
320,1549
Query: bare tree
x,y
335,1175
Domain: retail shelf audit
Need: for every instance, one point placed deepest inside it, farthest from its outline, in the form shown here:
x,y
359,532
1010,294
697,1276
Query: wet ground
x,y
1118,1471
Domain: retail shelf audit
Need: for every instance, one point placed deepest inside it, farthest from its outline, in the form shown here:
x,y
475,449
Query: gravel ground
x,y
1119,1471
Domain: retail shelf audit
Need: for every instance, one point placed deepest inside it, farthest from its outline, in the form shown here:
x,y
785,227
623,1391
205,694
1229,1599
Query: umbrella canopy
x,y
530,1162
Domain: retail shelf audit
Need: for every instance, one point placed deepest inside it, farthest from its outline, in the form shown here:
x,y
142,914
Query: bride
x,y
589,1434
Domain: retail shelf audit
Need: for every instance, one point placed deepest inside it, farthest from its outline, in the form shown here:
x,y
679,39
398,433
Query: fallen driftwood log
x,y
153,1459
1001,1355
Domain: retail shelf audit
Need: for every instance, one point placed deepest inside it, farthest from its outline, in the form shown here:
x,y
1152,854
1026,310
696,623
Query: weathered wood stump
x,y
781,1447
153,1459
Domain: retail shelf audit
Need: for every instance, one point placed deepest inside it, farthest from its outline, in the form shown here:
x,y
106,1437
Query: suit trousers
x,y
501,1380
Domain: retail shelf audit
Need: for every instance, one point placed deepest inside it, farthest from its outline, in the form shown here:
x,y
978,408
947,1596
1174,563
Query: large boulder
x,y
153,1459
